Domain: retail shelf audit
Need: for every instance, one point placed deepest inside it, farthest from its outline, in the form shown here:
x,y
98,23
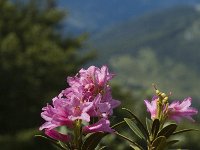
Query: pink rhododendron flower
x,y
102,125
55,116
92,86
99,77
89,82
57,136
88,95
152,107
178,110
175,111
79,110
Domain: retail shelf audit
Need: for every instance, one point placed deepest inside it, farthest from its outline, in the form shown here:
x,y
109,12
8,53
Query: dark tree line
x,y
35,59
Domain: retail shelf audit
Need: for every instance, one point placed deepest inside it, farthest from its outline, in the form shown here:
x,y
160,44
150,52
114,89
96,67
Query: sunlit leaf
x,y
138,123
134,128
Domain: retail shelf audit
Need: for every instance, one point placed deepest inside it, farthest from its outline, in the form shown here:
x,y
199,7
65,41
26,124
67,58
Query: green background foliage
x,y
35,59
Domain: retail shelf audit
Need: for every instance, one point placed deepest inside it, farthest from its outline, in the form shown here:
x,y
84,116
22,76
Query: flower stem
x,y
77,135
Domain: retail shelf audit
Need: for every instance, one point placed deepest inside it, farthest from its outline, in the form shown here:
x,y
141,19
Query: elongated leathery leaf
x,y
159,143
64,145
117,124
168,130
103,147
133,143
148,125
92,140
169,143
135,147
184,130
54,142
138,123
155,127
134,128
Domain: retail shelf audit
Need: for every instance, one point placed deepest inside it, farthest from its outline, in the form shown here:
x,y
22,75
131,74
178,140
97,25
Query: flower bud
x,y
163,95
157,92
165,100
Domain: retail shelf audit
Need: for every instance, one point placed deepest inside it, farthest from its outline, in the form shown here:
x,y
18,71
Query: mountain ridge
x,y
170,32
94,16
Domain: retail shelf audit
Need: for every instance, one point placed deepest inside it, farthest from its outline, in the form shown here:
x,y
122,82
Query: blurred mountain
x,y
96,15
161,47
172,33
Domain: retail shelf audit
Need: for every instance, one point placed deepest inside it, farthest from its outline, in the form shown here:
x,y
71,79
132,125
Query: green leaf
x,y
159,143
92,140
184,130
169,143
155,127
64,145
103,147
134,128
149,125
54,142
135,147
168,130
126,138
139,124
117,124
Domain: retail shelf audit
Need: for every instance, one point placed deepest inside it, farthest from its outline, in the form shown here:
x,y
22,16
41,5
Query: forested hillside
x,y
170,33
161,47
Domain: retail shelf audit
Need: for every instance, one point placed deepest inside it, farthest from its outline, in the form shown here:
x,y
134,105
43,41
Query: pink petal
x,y
47,125
178,110
185,103
85,117
115,103
57,136
102,125
151,107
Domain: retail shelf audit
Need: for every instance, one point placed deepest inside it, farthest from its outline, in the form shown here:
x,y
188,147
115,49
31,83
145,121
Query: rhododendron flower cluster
x,y
157,132
87,104
88,96
174,111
